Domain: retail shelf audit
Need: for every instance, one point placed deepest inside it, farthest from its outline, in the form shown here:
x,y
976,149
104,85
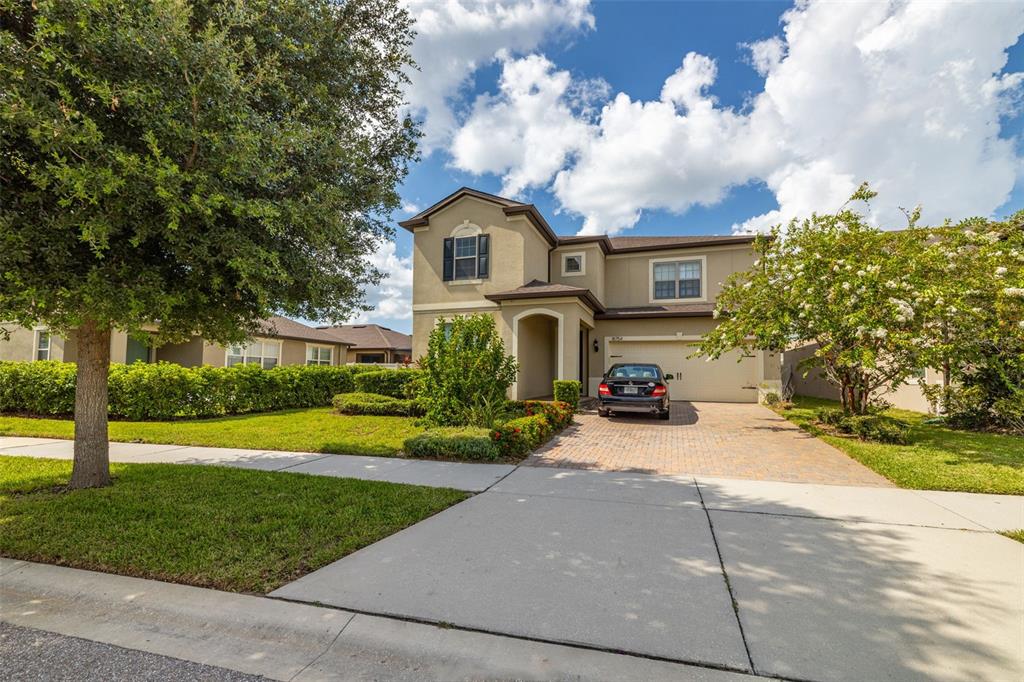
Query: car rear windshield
x,y
634,372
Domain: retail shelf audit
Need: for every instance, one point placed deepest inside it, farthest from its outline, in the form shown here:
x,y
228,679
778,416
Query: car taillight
x,y
604,390
658,391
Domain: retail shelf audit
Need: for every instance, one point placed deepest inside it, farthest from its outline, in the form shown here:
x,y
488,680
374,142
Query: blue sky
x,y
711,117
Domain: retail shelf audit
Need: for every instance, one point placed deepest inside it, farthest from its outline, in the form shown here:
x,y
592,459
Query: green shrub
x,y
469,443
772,399
374,404
165,390
878,428
568,391
833,416
46,387
397,383
466,367
522,435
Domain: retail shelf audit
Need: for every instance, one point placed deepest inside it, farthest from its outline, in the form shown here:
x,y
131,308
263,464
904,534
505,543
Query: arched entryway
x,y
537,340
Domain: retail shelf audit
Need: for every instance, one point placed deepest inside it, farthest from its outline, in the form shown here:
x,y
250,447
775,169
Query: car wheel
x,y
664,415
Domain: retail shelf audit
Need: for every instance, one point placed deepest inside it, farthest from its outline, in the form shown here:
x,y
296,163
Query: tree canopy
x,y
193,164
196,164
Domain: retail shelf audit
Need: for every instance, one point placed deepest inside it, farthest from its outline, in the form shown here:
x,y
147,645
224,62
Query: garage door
x,y
722,380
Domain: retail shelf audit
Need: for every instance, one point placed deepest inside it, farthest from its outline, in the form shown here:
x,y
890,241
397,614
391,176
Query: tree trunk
x,y
92,457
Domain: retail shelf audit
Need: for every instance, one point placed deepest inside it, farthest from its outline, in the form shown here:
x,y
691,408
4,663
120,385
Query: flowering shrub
x,y
538,421
520,436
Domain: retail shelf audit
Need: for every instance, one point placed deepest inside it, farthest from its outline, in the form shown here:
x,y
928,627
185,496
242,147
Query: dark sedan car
x,y
634,387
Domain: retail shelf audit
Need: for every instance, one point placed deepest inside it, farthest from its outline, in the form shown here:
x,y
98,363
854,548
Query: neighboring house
x,y
280,342
570,307
373,344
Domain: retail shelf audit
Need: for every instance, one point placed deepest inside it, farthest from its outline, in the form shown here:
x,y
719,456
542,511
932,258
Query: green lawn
x,y
307,430
937,458
230,529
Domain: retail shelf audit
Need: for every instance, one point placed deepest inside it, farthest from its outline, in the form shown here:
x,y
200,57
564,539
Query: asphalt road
x,y
29,654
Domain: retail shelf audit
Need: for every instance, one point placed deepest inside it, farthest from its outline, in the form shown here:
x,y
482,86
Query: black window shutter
x,y
483,256
449,260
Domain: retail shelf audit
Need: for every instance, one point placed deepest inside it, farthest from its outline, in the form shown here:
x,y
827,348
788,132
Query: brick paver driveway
x,y
726,440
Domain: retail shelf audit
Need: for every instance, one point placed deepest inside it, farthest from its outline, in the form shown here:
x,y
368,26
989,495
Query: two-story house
x,y
570,307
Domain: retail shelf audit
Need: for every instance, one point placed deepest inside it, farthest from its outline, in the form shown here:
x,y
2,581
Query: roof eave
x,y
653,314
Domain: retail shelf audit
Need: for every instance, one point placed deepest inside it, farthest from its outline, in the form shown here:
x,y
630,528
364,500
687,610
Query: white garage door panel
x,y
723,380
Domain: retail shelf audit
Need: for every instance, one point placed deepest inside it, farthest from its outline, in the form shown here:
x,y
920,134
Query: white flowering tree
x,y
975,313
857,292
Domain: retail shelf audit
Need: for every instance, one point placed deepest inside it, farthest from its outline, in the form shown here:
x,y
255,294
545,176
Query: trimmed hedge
x,y
375,404
540,420
568,391
465,443
397,383
166,391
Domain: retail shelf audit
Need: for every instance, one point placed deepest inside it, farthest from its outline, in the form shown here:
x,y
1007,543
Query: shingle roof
x,y
282,327
541,289
630,244
671,310
367,336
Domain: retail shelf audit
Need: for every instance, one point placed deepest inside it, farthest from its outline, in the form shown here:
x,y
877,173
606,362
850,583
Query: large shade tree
x,y
194,165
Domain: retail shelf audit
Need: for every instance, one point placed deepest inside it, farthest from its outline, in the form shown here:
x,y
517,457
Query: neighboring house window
x,y
370,358
573,264
677,279
319,355
42,345
466,257
917,374
266,354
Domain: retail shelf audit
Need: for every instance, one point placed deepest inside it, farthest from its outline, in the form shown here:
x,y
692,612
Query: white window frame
x,y
262,357
466,229
679,259
310,347
582,255
36,338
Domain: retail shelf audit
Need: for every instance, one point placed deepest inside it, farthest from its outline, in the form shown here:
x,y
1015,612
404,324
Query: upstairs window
x,y
467,258
266,354
677,280
573,264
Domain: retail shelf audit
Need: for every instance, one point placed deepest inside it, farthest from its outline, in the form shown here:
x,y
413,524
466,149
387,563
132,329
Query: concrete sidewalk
x,y
813,582
288,641
458,475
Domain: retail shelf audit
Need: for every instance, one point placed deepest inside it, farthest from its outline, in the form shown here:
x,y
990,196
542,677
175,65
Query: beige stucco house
x,y
280,342
570,307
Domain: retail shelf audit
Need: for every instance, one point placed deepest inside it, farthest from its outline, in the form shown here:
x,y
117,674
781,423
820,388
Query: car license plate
x,y
629,390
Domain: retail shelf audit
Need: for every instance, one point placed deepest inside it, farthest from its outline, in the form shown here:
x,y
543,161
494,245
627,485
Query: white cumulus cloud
x,y
527,131
392,298
456,37
905,95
